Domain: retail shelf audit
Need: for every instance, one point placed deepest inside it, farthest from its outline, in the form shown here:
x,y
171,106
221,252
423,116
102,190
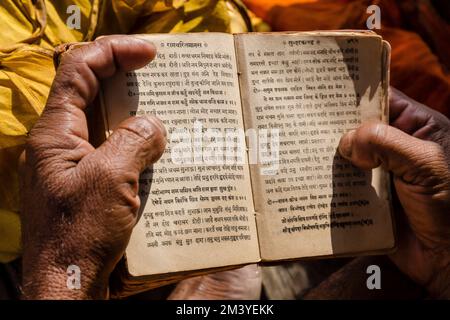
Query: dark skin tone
x,y
80,203
74,194
416,149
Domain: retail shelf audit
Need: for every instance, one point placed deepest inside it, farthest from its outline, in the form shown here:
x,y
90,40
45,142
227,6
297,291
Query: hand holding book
x,y
71,216
80,204
416,149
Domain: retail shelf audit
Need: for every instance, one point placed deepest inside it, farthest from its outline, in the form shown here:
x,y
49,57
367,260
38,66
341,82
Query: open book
x,y
251,172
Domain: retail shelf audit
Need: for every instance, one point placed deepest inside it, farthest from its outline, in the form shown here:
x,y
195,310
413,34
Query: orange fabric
x,y
418,35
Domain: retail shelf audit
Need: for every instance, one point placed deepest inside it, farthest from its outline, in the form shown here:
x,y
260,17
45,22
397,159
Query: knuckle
x,y
103,45
74,55
131,201
148,133
109,174
73,81
146,128
114,182
434,126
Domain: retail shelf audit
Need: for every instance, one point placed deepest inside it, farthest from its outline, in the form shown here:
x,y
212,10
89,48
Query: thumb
x,y
411,159
135,144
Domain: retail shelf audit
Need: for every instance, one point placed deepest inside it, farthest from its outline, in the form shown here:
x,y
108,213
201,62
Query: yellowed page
x,y
197,205
312,88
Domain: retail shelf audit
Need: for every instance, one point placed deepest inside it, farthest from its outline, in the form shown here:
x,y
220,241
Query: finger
x,y
134,145
413,117
375,144
99,60
77,82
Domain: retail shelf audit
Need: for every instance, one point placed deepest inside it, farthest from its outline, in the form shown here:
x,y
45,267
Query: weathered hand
x,y
239,284
79,204
416,149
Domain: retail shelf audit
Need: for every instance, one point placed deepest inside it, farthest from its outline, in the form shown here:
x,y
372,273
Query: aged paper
x,y
197,207
312,88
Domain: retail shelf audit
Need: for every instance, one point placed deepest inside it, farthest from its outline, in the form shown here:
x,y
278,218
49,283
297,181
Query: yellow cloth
x,y
31,29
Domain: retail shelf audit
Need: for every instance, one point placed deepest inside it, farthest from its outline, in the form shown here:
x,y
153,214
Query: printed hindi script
x,y
212,200
313,89
201,205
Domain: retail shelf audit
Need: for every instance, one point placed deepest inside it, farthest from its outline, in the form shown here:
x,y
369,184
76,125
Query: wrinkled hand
x,y
238,284
79,204
416,149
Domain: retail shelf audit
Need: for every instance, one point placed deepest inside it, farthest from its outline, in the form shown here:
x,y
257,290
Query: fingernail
x,y
144,38
158,123
346,144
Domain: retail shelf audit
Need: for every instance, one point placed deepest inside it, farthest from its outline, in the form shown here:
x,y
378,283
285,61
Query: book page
x,y
305,91
197,208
